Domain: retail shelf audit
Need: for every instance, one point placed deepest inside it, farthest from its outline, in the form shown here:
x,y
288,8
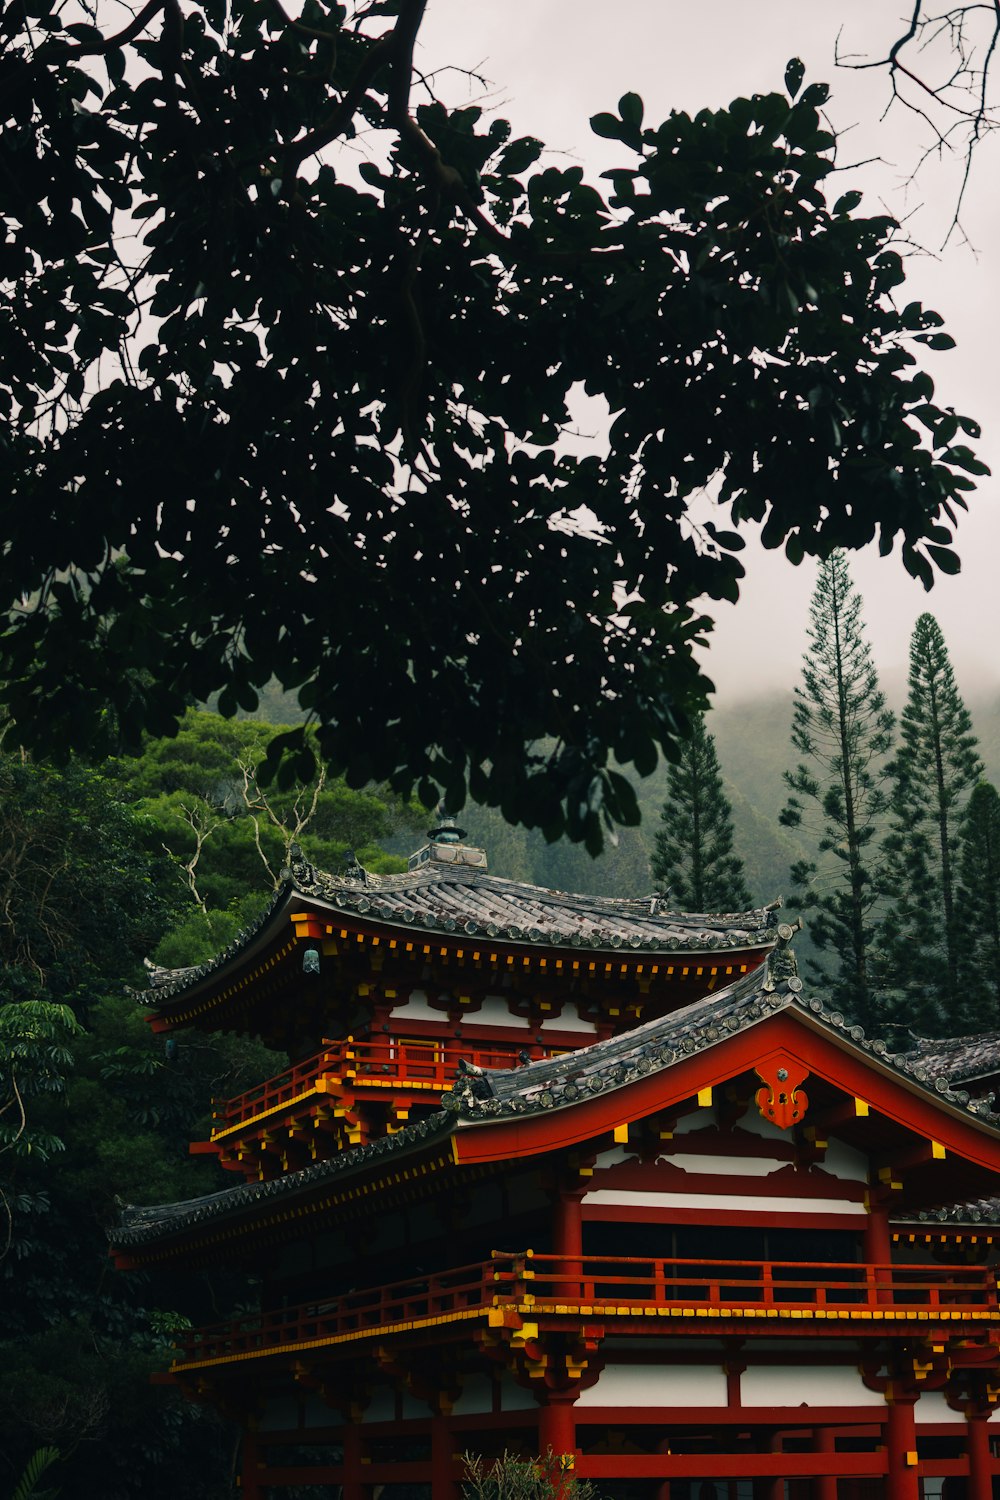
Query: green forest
x,y
164,856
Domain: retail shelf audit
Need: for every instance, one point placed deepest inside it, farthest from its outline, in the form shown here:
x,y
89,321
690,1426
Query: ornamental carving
x,y
782,1100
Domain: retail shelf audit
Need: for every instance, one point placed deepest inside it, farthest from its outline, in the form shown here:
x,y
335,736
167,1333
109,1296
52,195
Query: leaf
x,y
519,155
27,1486
846,204
816,95
630,107
606,125
795,71
945,559
730,540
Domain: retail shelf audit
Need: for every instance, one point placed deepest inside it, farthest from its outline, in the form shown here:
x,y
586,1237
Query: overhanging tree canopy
x,y
277,413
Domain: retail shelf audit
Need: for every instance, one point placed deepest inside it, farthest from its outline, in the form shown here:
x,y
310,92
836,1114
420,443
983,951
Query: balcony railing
x,y
371,1065
556,1287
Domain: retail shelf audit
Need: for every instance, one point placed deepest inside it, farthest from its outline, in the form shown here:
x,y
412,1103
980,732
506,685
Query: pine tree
x,y
838,792
979,910
934,771
694,848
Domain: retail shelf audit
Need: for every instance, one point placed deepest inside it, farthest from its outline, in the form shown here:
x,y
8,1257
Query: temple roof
x,y
979,1211
462,900
959,1058
560,1083
557,1082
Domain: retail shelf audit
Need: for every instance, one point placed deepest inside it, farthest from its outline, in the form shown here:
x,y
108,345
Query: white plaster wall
x,y
569,1020
516,1398
806,1385
318,1414
281,1414
416,1008
932,1407
735,1202
382,1406
494,1012
698,1119
657,1385
753,1123
725,1166
615,1157
843,1161
477,1396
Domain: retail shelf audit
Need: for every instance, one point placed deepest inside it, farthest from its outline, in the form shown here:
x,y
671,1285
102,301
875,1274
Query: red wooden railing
x,y
604,1287
384,1059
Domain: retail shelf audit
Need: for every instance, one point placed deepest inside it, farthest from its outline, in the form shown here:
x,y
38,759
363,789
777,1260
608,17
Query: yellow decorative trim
x,y
266,1113
332,1340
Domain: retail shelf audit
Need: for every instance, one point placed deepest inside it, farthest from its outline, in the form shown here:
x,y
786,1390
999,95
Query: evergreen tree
x,y
843,730
934,771
694,848
979,909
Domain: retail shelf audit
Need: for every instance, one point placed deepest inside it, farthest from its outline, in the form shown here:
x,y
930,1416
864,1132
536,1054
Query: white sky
x,y
554,63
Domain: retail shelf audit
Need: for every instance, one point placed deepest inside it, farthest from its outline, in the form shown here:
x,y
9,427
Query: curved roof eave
x,y
559,1084
456,903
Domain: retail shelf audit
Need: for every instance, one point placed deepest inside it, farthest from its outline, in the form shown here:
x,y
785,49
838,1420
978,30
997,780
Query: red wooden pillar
x,y
878,1238
354,1488
442,1446
774,1489
902,1482
567,1241
824,1486
557,1424
567,1224
250,1485
980,1462
663,1488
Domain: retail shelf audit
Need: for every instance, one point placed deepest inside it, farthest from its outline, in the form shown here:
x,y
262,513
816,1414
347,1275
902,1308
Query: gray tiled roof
x,y
960,1058
559,1083
980,1211
460,900
145,1225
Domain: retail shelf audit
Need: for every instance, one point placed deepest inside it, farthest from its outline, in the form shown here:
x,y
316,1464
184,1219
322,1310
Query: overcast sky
x,y
554,63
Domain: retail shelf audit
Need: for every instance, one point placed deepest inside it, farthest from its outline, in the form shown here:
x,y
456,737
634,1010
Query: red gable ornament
x,y
781,1100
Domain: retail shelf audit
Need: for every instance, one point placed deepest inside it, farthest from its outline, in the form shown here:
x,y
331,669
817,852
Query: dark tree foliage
x,y
838,793
105,1114
277,413
81,901
933,772
199,795
693,855
979,909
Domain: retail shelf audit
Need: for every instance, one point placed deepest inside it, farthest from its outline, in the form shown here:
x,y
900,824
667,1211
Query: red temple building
x,y
581,1174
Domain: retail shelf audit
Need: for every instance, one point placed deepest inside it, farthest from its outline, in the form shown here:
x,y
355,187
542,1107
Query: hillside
x,y
752,739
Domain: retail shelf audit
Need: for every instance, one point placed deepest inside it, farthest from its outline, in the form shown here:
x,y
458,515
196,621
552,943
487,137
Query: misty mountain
x,y
753,742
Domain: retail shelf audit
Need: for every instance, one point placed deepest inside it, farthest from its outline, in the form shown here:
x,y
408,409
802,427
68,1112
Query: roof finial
x,y
447,831
781,961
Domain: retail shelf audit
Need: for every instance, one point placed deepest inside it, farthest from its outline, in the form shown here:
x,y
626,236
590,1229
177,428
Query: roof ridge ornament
x,y
781,961
447,830
446,845
353,868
